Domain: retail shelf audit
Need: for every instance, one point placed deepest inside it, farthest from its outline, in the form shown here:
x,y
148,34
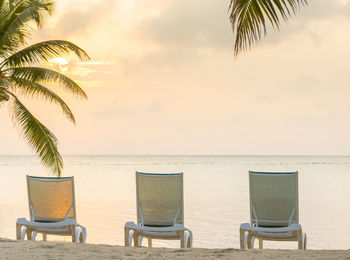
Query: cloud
x,y
184,29
79,18
187,27
198,23
162,64
303,23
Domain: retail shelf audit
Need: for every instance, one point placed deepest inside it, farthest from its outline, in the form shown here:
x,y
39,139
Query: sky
x,y
163,80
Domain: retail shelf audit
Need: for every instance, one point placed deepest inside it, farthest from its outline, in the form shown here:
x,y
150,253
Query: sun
x,y
59,62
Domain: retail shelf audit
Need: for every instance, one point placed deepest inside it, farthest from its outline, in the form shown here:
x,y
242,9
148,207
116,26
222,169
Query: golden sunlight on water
x,y
216,195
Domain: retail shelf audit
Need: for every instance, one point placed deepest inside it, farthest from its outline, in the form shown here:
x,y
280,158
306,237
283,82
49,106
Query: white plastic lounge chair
x,y
160,210
274,210
51,209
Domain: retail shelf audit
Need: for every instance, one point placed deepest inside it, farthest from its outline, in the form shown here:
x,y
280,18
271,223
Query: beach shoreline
x,y
214,204
14,249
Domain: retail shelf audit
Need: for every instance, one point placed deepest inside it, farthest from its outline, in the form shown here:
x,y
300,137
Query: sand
x,y
10,249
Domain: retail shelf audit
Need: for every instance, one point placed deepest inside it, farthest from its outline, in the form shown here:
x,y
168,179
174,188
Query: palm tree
x,y
248,19
20,74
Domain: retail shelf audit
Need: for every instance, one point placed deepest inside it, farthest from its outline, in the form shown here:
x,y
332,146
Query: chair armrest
x,y
176,227
68,222
248,227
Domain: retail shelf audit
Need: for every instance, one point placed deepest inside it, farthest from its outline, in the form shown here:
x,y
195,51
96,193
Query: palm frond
x,y
248,19
4,82
46,76
18,30
16,22
44,51
4,10
30,89
11,9
3,94
39,138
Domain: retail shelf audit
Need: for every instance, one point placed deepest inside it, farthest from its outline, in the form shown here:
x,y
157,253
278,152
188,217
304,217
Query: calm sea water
x,y
216,195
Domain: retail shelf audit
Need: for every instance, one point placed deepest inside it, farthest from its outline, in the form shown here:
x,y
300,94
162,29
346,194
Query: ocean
x,y
216,195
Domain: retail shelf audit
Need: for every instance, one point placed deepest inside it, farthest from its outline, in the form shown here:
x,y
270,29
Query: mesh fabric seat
x,y
51,209
160,210
274,209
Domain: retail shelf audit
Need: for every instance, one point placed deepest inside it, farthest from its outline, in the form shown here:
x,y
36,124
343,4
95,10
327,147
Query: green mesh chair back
x,y
273,198
159,199
51,199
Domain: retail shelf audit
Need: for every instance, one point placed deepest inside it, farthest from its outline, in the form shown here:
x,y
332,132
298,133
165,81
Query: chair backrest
x,y
51,199
273,198
159,199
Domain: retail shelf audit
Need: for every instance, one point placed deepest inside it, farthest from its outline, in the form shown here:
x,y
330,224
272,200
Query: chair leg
x,y
23,232
18,232
300,244
136,239
182,239
305,240
189,242
74,234
242,239
300,239
249,241
83,235
261,243
29,234
81,238
126,236
140,241
149,242
190,239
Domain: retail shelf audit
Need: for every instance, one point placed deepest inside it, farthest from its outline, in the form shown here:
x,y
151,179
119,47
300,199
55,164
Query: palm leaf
x,y
11,9
19,28
17,18
15,23
248,19
4,11
3,94
28,88
16,32
44,51
46,76
39,138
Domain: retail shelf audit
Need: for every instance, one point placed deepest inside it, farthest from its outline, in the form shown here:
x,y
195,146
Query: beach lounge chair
x,y
51,209
160,210
274,210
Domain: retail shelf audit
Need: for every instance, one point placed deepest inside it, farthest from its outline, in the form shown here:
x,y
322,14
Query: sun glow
x,y
60,63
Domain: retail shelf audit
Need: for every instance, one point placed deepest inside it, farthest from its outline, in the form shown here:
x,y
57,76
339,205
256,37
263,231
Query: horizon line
x,y
238,155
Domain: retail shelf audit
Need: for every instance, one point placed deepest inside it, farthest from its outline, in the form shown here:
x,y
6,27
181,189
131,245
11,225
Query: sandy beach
x,y
12,249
